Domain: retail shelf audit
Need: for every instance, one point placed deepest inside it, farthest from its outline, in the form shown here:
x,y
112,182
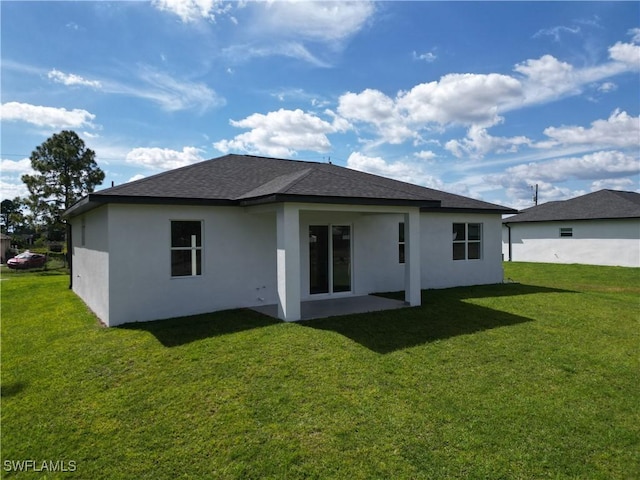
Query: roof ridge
x,y
298,177
625,194
263,189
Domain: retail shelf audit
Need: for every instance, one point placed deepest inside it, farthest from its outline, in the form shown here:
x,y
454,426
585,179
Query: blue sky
x,y
484,99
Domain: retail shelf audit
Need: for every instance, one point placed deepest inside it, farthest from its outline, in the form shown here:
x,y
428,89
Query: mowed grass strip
x,y
532,379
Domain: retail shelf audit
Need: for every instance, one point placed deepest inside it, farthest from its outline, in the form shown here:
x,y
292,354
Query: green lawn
x,y
533,379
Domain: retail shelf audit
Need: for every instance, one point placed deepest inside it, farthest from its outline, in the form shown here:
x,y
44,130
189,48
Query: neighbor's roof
x,y
250,180
600,205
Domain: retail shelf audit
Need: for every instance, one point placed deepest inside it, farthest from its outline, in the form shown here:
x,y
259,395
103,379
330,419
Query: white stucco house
x,y
245,231
600,228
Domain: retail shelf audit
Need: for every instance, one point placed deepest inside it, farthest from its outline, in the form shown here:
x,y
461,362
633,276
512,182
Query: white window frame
x,y
401,244
193,248
466,241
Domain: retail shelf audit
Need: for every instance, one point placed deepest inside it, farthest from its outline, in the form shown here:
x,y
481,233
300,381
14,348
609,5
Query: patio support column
x,y
288,258
412,274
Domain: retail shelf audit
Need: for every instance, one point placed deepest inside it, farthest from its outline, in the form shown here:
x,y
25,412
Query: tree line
x,y
64,170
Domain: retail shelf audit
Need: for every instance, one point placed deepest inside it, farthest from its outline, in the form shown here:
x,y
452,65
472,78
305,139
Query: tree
x,y
65,171
11,215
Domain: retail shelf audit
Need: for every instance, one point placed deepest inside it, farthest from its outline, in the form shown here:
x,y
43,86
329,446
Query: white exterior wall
x,y
238,262
439,270
124,274
594,242
91,261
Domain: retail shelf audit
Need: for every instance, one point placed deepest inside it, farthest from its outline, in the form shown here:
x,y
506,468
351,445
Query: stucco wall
x,y
132,282
594,242
91,260
238,265
439,270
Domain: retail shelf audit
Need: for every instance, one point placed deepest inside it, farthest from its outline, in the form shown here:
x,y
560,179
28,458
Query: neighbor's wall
x,y
238,267
439,270
594,242
90,260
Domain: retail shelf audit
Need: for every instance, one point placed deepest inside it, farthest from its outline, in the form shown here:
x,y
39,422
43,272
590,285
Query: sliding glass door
x,y
329,258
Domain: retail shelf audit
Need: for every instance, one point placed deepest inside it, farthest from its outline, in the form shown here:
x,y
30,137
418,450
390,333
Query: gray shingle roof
x,y
246,179
603,204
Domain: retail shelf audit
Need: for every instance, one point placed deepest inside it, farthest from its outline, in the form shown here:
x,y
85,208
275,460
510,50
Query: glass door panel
x,y
318,259
341,243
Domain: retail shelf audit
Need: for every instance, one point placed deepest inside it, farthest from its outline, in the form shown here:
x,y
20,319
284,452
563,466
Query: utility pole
x,y
535,194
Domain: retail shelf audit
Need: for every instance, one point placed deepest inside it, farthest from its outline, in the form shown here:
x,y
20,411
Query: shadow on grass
x,y
183,330
12,388
6,272
443,314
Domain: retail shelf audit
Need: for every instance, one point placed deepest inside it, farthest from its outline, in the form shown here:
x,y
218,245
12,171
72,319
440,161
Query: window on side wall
x,y
566,232
467,241
401,242
186,248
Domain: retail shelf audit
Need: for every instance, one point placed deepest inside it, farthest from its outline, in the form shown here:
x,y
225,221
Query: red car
x,y
27,260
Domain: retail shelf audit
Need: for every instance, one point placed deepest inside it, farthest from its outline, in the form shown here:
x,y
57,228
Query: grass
x,y
527,380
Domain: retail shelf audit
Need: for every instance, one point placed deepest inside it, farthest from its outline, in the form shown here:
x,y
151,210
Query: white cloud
x,y
16,167
138,176
626,53
425,155
193,10
594,166
11,171
46,116
620,130
292,28
428,57
635,35
316,21
556,31
164,158
479,100
291,49
12,189
478,143
605,169
404,171
280,133
547,78
169,93
607,87
460,99
615,184
374,107
71,79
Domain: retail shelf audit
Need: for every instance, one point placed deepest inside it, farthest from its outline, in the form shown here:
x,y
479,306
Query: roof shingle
x,y
603,204
244,179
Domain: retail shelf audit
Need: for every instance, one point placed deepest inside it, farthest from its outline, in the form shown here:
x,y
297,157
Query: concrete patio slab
x,y
338,306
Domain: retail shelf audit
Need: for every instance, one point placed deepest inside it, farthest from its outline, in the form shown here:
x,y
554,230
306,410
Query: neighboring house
x,y
600,228
5,245
246,231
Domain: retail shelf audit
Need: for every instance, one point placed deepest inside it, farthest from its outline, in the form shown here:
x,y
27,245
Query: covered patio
x,y
332,307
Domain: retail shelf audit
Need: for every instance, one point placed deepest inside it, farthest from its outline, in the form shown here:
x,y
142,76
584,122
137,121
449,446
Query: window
x,y
566,232
186,248
401,242
83,232
467,241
